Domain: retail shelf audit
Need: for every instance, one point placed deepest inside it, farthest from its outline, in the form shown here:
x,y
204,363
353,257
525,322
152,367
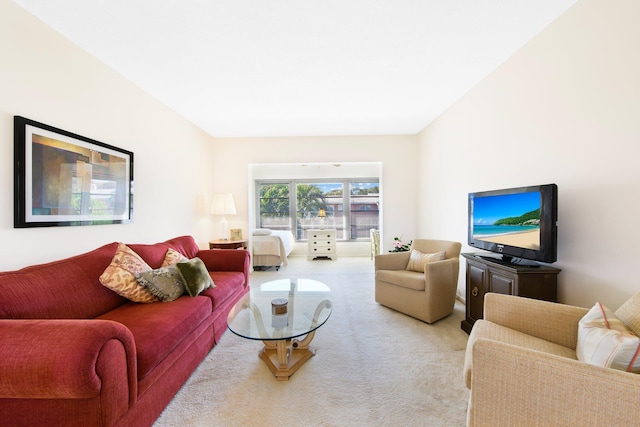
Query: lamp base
x,y
225,229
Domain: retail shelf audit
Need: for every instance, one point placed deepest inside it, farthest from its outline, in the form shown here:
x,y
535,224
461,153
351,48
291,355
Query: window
x,y
365,204
274,206
351,207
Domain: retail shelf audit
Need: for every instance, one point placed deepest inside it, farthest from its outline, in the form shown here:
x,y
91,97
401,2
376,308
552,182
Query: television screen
x,y
515,222
511,219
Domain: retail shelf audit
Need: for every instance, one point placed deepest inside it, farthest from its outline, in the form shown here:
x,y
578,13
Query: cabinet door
x,y
501,284
475,291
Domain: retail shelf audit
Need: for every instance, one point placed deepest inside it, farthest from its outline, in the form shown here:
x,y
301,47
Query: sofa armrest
x,y
554,322
67,359
392,261
513,386
227,260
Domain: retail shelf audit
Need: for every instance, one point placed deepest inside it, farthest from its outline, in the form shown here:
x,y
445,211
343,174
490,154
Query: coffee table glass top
x,y
308,306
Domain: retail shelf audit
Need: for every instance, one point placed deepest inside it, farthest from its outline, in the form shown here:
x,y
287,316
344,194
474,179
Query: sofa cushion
x,y
603,340
62,289
155,254
629,313
417,259
195,276
227,285
166,283
172,257
120,275
158,329
404,278
493,331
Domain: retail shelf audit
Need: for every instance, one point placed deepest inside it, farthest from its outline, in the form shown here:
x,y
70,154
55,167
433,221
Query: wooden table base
x,y
284,357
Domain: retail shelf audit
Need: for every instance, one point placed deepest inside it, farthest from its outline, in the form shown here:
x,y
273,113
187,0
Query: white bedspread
x,y
278,243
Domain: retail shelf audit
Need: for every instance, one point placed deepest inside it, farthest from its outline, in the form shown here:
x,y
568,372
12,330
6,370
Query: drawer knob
x,y
474,291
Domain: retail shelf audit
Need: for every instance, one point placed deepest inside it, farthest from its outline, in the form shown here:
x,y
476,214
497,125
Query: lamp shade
x,y
223,204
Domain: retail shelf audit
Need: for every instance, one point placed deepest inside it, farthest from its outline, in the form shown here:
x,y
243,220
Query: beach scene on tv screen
x,y
511,219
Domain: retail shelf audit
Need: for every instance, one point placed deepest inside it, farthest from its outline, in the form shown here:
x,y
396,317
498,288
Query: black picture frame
x,y
65,179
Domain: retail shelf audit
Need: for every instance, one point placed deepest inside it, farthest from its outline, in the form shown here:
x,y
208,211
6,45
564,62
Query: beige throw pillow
x,y
603,340
172,257
120,275
417,259
629,313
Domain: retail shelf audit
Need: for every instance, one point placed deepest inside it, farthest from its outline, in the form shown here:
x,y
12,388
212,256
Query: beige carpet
x,y
373,366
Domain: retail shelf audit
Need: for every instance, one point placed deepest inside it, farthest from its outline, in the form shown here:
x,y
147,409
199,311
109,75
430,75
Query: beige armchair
x,y
429,295
522,369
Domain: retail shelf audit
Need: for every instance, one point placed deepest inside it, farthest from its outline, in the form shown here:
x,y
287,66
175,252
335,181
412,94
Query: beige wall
x,y
396,153
564,109
46,78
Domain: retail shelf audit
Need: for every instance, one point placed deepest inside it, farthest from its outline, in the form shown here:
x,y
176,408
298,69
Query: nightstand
x,y
322,244
228,244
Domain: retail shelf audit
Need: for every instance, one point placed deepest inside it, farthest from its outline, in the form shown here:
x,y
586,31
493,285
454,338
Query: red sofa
x,y
75,353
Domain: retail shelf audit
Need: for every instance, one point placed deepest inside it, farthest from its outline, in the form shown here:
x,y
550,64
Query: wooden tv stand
x,y
485,275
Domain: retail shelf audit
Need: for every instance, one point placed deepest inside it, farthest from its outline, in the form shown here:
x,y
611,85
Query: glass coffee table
x,y
284,315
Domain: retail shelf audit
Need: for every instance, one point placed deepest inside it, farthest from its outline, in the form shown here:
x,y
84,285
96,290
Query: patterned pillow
x,y
166,283
120,277
603,340
629,313
172,257
417,259
195,275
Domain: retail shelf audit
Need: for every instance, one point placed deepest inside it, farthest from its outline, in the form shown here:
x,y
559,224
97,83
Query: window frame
x,y
293,208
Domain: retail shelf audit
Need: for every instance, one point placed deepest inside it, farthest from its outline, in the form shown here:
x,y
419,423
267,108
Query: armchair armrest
x,y
226,260
554,322
392,261
513,386
67,359
442,272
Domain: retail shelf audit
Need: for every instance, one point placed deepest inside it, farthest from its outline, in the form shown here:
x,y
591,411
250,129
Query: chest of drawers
x,y
322,244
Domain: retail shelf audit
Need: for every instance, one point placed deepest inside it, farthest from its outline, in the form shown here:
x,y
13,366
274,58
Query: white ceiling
x,y
302,67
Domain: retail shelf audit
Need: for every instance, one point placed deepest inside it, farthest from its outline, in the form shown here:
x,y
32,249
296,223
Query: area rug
x,y
373,366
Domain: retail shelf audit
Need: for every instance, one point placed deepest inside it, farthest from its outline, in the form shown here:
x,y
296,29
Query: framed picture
x,y
235,234
61,178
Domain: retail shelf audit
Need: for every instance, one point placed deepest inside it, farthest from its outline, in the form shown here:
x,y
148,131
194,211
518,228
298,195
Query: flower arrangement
x,y
398,246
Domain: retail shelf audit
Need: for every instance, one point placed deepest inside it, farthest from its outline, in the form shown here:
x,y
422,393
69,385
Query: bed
x,y
270,248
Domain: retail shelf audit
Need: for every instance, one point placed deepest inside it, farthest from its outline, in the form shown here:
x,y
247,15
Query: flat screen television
x,y
519,224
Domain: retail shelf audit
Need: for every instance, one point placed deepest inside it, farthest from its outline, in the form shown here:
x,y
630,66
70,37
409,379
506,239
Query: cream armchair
x,y
522,369
429,295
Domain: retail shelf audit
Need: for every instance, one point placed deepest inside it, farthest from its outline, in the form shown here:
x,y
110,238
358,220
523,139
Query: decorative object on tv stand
x,y
322,214
398,246
223,204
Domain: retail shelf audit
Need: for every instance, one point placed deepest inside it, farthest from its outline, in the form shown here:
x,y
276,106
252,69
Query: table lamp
x,y
223,204
322,214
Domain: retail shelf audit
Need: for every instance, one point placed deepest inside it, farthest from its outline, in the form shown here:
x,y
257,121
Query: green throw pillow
x,y
165,283
195,275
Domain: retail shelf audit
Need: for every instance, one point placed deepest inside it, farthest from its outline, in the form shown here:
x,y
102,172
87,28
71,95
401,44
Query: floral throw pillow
x,y
166,283
120,275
